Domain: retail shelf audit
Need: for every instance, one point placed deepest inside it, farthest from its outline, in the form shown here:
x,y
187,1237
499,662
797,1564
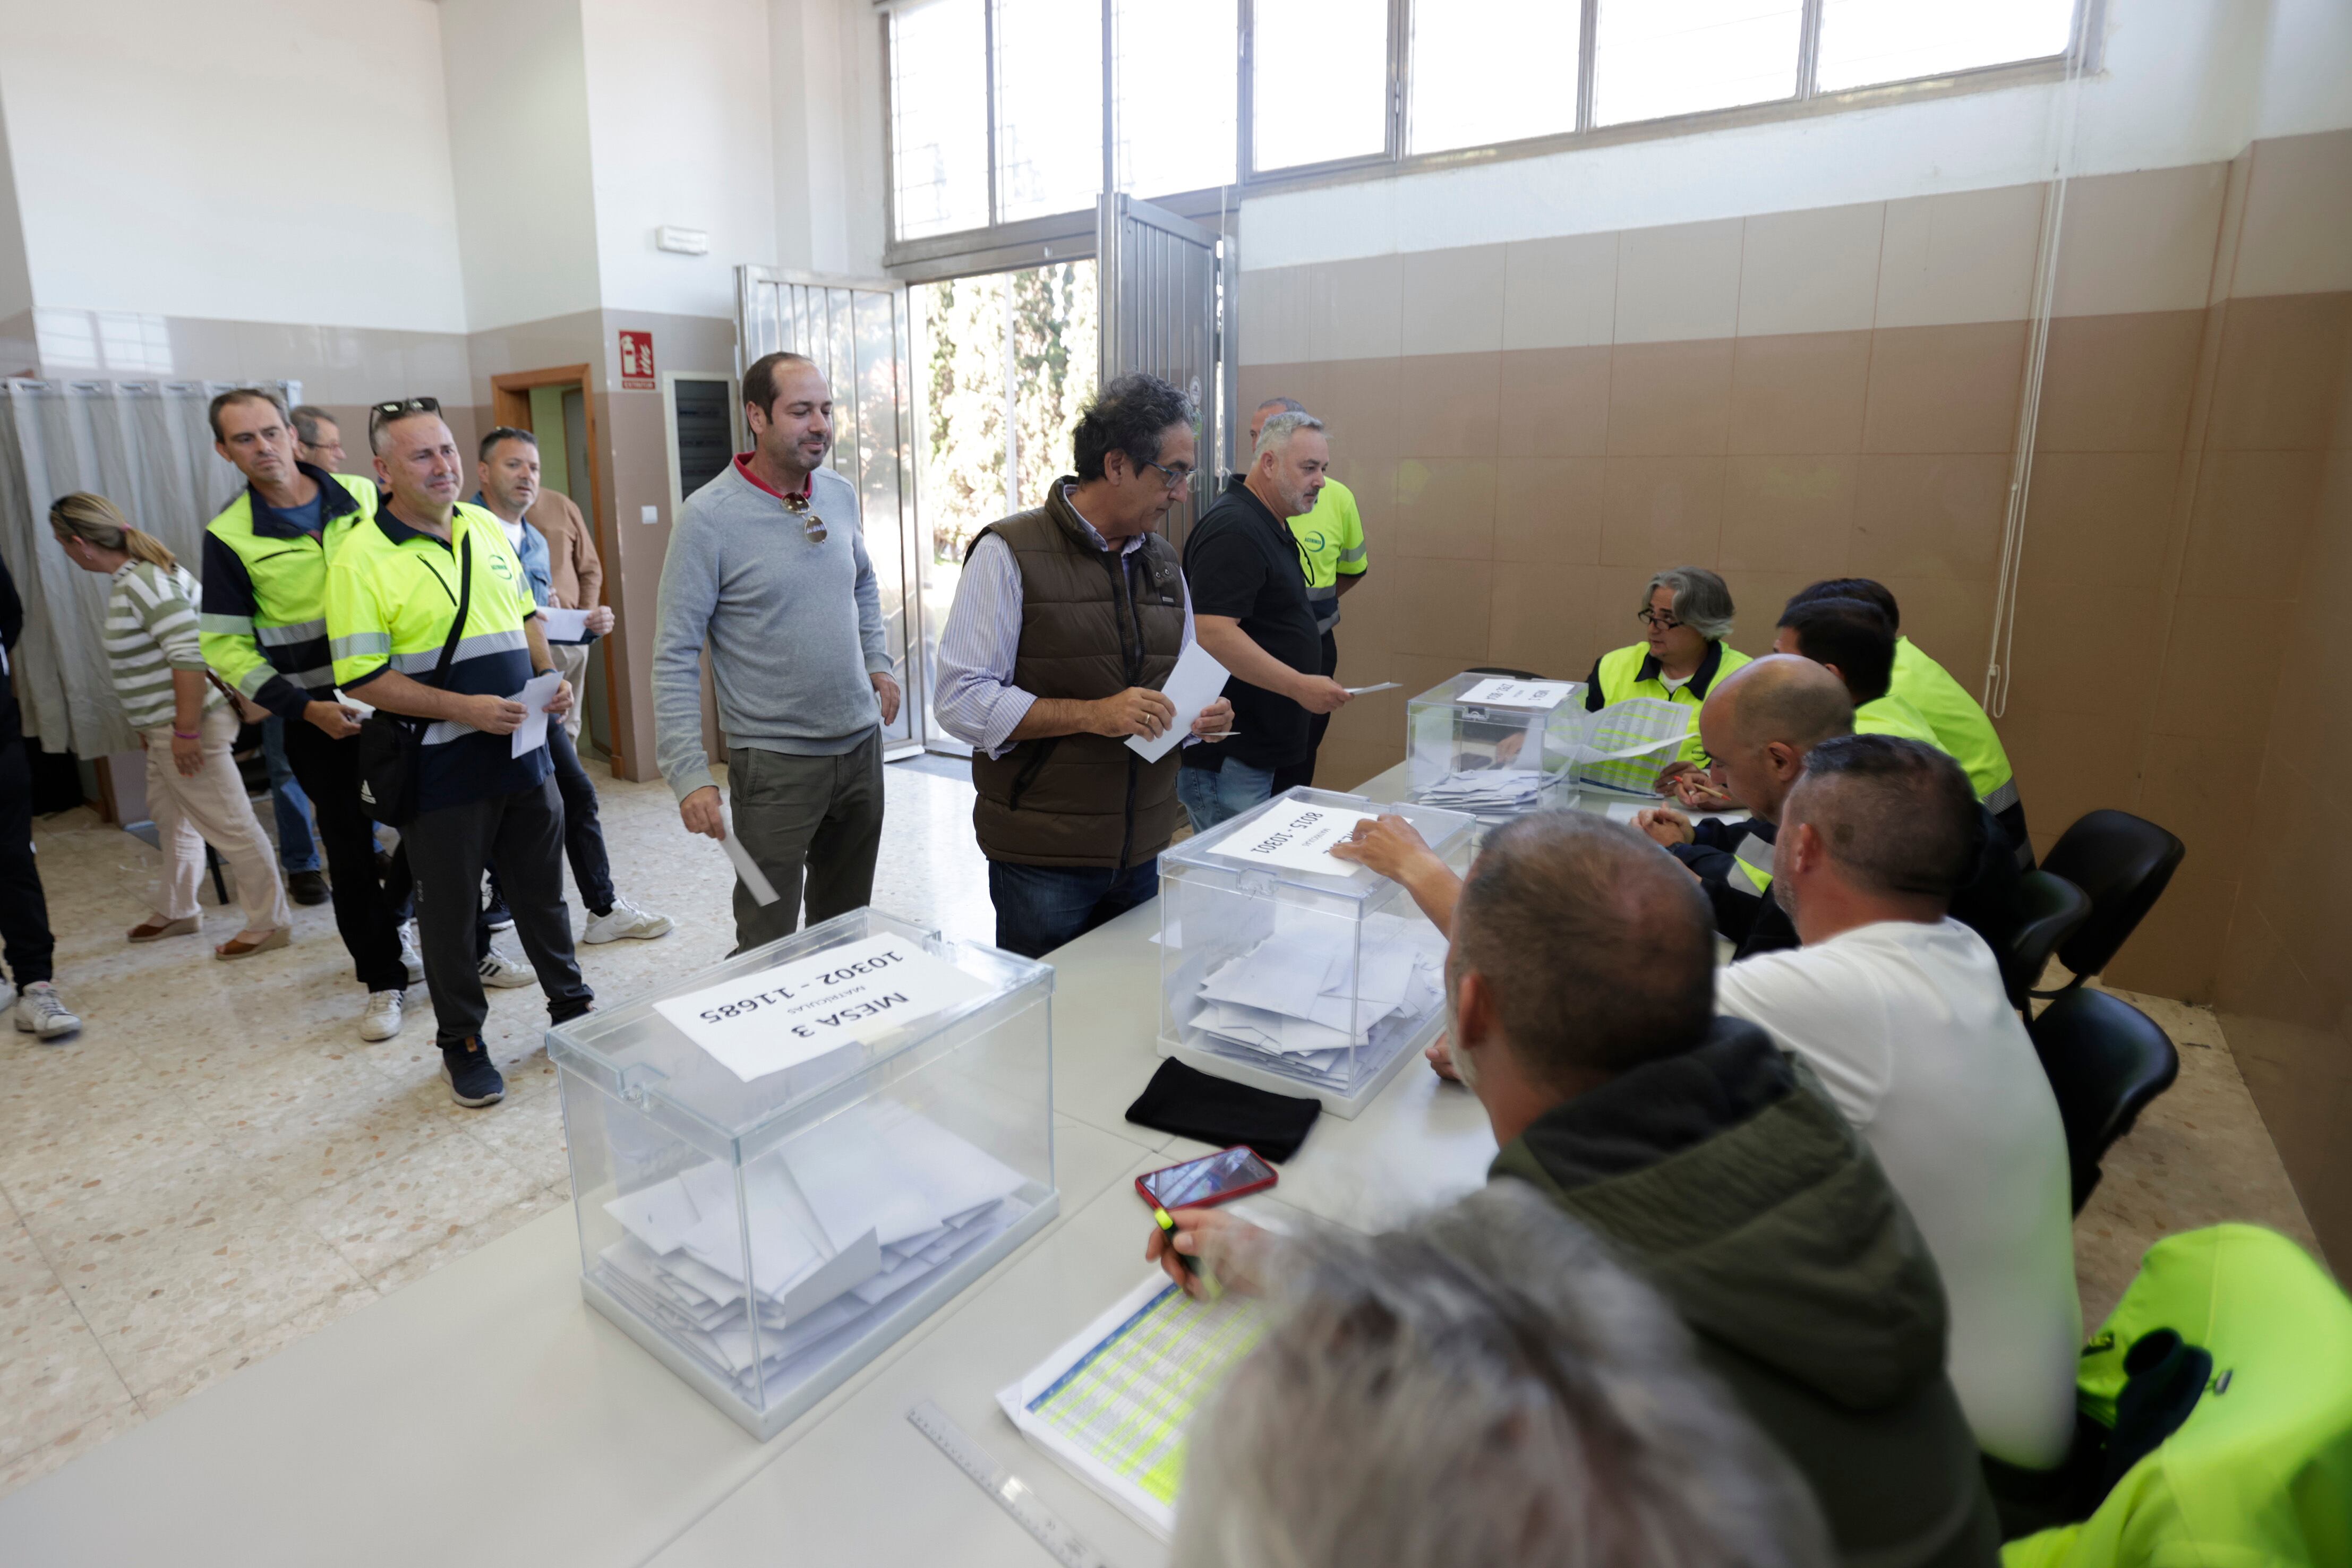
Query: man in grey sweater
x,y
768,565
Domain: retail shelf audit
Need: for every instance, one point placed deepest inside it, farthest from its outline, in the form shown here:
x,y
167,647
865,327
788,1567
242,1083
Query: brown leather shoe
x,y
242,946
154,928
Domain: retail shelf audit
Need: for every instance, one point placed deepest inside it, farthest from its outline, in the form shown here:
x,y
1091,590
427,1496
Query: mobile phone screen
x,y
1206,1179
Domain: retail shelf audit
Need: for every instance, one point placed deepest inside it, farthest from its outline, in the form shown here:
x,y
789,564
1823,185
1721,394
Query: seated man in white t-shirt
x,y
1901,1012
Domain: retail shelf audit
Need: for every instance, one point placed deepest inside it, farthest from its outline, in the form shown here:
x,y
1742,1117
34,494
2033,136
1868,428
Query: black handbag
x,y
392,745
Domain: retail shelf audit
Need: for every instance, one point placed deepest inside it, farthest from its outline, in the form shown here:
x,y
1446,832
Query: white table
x,y
485,1415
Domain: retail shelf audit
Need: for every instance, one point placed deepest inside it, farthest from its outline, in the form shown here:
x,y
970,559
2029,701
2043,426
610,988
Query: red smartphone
x,y
1212,1178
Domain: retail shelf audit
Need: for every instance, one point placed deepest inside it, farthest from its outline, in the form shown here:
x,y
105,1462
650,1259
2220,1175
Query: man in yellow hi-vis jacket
x,y
394,589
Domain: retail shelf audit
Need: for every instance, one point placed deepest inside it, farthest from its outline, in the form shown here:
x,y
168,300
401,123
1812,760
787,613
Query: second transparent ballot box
x,y
1287,968
1493,746
785,1162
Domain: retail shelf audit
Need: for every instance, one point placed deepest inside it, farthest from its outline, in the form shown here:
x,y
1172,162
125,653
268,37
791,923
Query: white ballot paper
x,y
1384,686
1192,685
1500,693
565,625
1298,837
755,880
536,694
757,1024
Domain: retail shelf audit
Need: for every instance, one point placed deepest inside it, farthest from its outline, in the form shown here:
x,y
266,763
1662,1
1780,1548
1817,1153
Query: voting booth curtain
x,y
146,447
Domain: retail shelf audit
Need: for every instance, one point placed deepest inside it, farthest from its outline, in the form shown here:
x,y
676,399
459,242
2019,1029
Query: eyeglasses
x,y
1661,620
1177,477
811,524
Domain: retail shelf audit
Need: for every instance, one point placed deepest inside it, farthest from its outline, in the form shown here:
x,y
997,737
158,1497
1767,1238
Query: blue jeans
x,y
296,850
1211,797
1039,907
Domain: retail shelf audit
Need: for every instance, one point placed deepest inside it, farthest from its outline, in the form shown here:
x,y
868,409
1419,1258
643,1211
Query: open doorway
x,y
554,405
1007,359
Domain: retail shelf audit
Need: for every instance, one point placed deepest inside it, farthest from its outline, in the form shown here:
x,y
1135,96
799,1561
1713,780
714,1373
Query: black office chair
x,y
2052,910
2107,1060
2123,862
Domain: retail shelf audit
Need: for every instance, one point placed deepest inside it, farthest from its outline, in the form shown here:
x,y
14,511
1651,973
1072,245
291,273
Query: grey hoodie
x,y
794,626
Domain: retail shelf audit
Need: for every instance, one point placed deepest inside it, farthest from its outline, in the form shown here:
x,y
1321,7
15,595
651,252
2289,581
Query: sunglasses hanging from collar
x,y
811,524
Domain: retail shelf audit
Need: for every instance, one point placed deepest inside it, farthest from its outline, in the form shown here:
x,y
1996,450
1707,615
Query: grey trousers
x,y
813,818
446,849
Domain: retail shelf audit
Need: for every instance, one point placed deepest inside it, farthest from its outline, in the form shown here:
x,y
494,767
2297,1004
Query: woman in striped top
x,y
184,722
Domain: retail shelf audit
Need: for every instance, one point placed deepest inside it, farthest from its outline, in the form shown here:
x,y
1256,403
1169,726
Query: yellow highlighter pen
x,y
1185,1259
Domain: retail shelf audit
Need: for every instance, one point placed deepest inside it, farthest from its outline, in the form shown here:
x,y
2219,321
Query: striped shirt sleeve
x,y
152,631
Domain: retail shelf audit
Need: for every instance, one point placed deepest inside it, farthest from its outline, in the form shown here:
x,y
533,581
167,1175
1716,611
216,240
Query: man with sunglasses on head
x,y
394,592
264,630
1249,583
767,565
1067,621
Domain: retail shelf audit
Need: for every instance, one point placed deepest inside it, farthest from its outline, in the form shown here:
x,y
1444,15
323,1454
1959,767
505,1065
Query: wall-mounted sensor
x,y
685,242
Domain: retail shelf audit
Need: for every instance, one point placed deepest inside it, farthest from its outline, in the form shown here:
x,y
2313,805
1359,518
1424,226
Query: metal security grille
x,y
858,333
1160,297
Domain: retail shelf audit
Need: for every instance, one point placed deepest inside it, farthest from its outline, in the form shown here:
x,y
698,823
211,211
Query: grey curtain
x,y
145,446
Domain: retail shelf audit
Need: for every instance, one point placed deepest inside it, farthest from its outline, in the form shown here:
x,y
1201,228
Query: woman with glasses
x,y
1685,615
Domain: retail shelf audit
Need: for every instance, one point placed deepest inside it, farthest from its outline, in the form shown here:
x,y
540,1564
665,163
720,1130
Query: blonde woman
x,y
185,723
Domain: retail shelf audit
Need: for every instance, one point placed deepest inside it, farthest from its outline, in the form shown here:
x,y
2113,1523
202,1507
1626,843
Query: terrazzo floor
x,y
218,1166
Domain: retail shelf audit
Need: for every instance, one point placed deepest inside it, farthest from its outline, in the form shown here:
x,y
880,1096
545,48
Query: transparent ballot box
x,y
1286,969
785,1162
1493,746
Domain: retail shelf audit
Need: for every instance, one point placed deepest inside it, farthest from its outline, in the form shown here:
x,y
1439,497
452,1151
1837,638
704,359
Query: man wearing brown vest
x,y
1067,623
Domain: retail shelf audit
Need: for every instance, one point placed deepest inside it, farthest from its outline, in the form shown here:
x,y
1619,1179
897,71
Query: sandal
x,y
154,928
244,945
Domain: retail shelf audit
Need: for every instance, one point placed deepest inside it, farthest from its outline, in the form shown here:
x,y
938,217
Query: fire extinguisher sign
x,y
636,361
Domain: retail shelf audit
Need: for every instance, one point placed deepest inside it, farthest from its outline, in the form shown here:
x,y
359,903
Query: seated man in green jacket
x,y
1580,986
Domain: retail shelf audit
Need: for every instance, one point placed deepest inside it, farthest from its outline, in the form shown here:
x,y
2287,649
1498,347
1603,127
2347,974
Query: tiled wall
x,y
1533,428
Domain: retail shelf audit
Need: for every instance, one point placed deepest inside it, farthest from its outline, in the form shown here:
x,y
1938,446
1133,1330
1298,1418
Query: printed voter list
x,y
761,1023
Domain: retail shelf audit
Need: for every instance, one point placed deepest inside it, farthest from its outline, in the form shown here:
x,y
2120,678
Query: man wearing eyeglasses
x,y
396,586
265,629
1069,619
767,565
1249,581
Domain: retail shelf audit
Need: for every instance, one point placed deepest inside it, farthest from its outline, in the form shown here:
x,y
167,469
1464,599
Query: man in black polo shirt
x,y
1250,605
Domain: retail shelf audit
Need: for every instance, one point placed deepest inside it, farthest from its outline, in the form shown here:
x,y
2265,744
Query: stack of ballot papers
x,y
1306,997
1488,791
843,1218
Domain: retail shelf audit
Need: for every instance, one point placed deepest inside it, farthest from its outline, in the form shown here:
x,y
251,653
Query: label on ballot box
x,y
757,1024
1298,838
1498,693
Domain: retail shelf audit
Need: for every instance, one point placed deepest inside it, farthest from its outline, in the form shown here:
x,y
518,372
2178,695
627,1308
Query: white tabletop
x,y
485,1415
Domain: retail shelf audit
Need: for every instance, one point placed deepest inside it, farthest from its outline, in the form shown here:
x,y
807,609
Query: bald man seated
x,y
1759,724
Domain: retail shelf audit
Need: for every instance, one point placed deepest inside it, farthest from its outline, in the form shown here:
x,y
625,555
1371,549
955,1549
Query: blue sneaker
x,y
473,1082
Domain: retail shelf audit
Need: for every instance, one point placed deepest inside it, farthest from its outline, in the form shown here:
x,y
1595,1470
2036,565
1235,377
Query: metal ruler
x,y
1011,1493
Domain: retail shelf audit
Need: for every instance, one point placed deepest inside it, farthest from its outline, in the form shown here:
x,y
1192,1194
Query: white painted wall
x,y
680,133
827,69
519,147
168,159
2183,82
15,279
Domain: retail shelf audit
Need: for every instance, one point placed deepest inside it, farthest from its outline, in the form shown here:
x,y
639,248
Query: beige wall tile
x,y
1355,309
2069,763
2278,381
1965,256
2173,952
1812,271
1449,404
2252,517
2099,517
1272,310
1670,398
1559,293
1555,402
1542,621
1444,614
2085,649
1658,512
2118,383
1800,393
1444,510
2297,237
1289,379
1547,510
2218,676
1787,514
1452,301
1950,620
2142,241
1358,401
1678,282
1945,389
1921,515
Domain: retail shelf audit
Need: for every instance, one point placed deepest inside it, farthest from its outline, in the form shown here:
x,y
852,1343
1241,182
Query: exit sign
x,y
636,361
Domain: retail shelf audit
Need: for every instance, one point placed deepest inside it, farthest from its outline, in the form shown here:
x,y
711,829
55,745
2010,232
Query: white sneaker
x,y
409,955
384,1016
499,970
626,919
42,1013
